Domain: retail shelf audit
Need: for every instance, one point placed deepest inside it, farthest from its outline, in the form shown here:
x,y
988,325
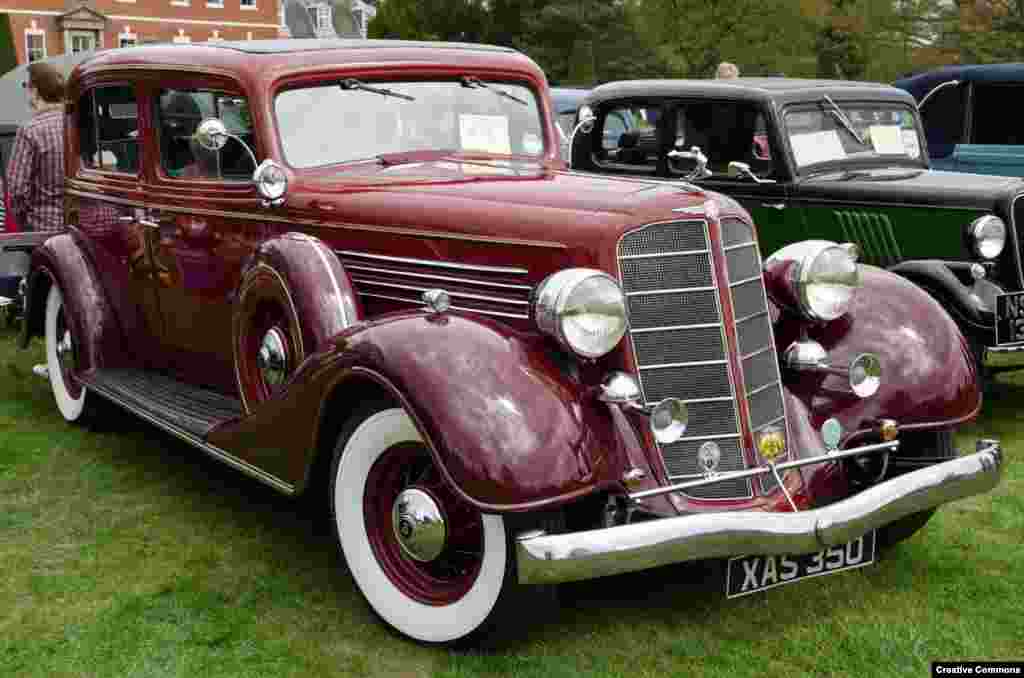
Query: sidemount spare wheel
x,y
429,563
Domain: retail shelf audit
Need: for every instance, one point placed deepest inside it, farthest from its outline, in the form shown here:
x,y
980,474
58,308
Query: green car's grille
x,y
873,233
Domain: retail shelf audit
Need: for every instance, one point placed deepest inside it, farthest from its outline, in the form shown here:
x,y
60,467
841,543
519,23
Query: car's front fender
x,y
509,427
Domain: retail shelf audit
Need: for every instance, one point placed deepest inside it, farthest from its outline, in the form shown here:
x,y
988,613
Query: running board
x,y
185,411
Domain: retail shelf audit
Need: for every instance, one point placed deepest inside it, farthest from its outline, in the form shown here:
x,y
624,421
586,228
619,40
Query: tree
x,y
462,20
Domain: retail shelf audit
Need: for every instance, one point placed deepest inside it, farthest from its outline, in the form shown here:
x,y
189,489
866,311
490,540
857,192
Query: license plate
x,y
1010,318
750,574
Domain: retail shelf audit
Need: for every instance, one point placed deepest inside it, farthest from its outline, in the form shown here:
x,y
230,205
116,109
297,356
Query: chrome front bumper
x,y
548,559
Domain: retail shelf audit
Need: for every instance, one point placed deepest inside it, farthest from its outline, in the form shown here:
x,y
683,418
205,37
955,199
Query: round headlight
x,y
988,236
271,180
827,279
583,309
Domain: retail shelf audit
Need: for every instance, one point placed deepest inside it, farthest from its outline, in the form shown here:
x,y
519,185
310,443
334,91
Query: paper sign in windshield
x,y
817,147
911,145
485,133
886,139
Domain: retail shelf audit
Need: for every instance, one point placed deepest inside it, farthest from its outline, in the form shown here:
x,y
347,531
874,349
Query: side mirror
x,y
585,125
212,134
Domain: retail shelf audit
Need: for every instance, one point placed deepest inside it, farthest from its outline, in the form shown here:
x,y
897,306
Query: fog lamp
x,y
831,433
771,443
865,374
669,419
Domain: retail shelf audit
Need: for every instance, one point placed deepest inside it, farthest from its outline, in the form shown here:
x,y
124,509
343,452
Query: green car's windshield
x,y
829,132
353,120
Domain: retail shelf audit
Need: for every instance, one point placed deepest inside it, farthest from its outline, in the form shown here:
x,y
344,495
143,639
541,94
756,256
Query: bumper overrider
x,y
547,559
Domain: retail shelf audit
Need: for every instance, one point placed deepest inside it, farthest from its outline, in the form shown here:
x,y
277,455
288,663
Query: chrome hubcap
x,y
65,348
419,525
272,359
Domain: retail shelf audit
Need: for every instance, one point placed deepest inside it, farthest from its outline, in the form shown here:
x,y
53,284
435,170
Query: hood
x,y
488,199
909,187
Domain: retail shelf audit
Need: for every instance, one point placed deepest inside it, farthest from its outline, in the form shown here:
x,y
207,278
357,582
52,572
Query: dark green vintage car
x,y
831,160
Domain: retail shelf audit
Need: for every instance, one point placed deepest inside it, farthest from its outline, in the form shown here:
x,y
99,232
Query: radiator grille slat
x,y
873,233
661,298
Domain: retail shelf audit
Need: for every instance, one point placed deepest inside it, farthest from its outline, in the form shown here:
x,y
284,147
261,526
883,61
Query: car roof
x,y
264,60
778,90
919,85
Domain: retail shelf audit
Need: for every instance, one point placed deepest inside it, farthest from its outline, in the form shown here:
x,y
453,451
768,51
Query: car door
x,y
105,202
198,201
995,141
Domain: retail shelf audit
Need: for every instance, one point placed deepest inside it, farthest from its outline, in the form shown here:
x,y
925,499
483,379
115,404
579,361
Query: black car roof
x,y
778,90
920,85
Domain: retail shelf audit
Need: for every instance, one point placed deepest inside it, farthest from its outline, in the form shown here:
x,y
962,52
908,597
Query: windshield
x,y
836,130
355,120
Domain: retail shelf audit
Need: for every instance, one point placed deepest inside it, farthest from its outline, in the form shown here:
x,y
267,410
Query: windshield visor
x,y
329,123
870,131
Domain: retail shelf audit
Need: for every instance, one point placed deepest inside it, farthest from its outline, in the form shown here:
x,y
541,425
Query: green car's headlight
x,y
988,236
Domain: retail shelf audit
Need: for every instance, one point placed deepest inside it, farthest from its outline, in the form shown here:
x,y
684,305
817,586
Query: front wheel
x,y
428,563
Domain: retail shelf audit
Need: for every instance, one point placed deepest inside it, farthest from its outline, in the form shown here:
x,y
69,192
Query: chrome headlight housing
x,y
824,277
988,236
271,181
583,309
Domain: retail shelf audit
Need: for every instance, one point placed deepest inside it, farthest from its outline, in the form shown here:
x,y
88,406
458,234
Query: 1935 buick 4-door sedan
x,y
837,160
359,268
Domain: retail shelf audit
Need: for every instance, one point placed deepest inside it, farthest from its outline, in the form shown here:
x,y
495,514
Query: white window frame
x,y
180,3
247,5
127,36
182,38
215,36
215,4
28,48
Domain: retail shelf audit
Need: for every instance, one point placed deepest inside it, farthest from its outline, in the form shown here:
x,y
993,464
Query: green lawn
x,y
126,553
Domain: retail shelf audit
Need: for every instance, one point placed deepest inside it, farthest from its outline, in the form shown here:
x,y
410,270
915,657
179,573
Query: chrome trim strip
x,y
738,245
655,255
667,328
417,302
744,281
676,290
717,436
464,295
1015,348
755,353
751,316
543,558
444,278
508,270
663,366
700,400
211,450
774,382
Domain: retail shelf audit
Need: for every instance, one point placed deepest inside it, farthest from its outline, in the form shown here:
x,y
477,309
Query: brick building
x,y
45,28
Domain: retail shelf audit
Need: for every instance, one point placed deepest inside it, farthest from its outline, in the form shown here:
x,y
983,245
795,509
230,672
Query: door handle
x,y
774,205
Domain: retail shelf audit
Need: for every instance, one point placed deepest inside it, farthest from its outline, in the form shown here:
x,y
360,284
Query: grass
x,y
126,553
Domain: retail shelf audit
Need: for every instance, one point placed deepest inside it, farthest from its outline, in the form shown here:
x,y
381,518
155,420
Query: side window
x,y
993,121
943,118
179,113
108,127
629,137
725,132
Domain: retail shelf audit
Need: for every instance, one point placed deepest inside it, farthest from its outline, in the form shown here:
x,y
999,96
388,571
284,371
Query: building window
x,y
357,19
181,38
320,15
35,44
180,3
215,3
127,38
247,4
81,41
215,37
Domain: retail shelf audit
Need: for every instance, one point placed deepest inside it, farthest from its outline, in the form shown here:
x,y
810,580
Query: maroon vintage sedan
x,y
360,269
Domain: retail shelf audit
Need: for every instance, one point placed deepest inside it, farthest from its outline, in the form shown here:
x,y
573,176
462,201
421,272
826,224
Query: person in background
x,y
35,173
727,71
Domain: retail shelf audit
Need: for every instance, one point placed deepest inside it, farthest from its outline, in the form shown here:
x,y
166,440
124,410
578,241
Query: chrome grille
x,y
676,332
753,330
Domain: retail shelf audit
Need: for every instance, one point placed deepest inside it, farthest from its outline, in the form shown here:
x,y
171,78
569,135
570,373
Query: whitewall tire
x,y
453,595
60,358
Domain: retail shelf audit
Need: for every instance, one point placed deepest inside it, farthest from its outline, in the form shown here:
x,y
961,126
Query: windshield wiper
x,y
472,81
352,83
841,116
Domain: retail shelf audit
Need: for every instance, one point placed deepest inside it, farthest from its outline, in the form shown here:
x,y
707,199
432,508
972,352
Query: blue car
x,y
970,121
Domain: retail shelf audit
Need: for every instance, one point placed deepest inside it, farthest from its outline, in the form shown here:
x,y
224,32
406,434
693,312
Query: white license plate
x,y
750,574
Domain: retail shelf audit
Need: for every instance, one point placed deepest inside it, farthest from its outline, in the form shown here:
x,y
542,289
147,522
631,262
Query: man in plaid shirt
x,y
35,174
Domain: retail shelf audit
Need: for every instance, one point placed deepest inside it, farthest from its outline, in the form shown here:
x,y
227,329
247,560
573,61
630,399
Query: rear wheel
x,y
61,359
429,563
